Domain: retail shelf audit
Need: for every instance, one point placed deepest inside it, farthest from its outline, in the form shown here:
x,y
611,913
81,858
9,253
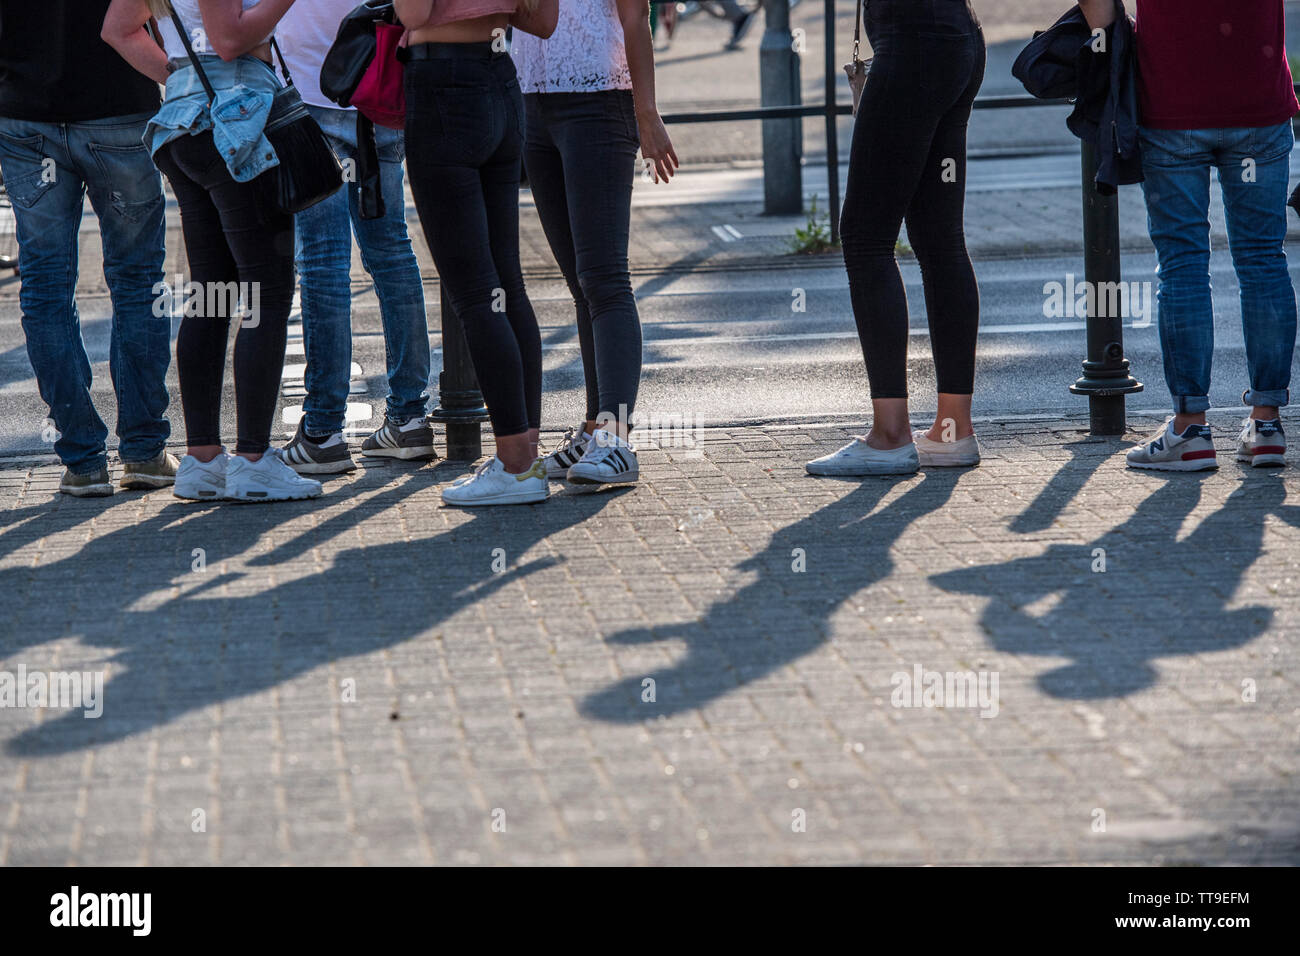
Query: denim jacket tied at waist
x,y
237,116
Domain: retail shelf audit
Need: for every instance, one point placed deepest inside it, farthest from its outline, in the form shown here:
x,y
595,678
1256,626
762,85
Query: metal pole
x,y
460,403
832,131
778,65
1106,379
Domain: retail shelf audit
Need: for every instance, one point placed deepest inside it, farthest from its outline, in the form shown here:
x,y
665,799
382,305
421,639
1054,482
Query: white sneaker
x,y
858,459
491,484
608,460
571,448
1262,443
946,454
201,481
267,479
1167,450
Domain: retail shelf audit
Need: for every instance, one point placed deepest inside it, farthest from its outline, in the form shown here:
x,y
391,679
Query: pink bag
x,y
379,95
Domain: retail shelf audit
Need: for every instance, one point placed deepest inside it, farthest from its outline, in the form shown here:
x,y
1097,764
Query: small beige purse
x,y
857,70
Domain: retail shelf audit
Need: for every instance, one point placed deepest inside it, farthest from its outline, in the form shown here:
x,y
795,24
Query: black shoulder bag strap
x,y
185,40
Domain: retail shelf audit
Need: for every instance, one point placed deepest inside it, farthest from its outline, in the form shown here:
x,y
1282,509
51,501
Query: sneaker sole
x,y
1201,464
267,498
404,454
626,478
528,499
848,472
201,496
939,461
88,491
1264,461
323,467
146,482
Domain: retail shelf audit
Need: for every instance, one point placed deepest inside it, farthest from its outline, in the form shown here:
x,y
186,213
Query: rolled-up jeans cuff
x,y
1273,398
1191,404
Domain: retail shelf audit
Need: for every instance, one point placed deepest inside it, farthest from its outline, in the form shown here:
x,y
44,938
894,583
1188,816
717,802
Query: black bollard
x,y
460,403
1106,379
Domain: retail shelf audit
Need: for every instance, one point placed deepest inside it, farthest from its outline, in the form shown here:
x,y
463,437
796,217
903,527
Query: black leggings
x,y
233,242
908,161
464,134
581,156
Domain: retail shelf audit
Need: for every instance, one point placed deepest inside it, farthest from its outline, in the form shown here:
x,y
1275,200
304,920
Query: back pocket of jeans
x,y
467,117
28,173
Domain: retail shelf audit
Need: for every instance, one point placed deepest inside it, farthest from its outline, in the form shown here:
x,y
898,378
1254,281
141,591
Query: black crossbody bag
x,y
308,172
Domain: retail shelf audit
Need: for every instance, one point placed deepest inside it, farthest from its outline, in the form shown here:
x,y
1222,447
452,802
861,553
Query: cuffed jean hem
x,y
1191,404
1271,398
400,416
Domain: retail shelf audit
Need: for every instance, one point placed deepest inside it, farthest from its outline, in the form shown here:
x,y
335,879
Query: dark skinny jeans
x,y
908,162
232,237
464,136
581,157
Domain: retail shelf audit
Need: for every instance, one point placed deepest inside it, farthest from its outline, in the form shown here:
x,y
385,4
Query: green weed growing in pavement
x,y
814,236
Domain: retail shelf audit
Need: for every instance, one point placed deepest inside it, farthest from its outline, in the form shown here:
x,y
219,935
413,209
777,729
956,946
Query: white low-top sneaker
x,y
1167,450
491,484
267,479
567,453
608,460
858,459
946,454
201,481
1262,443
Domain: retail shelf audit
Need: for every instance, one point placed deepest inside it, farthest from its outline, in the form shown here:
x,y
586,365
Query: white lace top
x,y
584,54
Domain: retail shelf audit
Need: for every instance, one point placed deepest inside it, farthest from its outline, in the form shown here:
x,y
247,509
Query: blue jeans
x,y
48,170
1253,165
324,259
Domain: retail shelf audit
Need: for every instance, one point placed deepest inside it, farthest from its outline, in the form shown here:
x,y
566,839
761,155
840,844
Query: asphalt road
x,y
729,347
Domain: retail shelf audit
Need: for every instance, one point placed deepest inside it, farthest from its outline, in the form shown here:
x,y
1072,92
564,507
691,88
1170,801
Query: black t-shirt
x,y
54,67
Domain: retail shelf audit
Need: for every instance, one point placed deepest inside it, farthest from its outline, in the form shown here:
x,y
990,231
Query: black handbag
x,y
353,50
308,171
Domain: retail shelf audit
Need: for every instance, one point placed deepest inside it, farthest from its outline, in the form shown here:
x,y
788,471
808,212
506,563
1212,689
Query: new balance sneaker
x,y
95,484
157,472
946,454
1167,450
309,457
201,481
267,479
570,451
407,441
491,484
608,460
858,459
1262,443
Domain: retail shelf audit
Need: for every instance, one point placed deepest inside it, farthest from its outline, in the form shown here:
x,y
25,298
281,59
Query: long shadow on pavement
x,y
231,636
781,615
1160,595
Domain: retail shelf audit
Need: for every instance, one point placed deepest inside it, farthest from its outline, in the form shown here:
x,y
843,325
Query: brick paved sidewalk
x,y
375,679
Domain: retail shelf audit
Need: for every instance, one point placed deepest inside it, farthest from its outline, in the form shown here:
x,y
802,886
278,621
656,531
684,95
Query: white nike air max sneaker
x,y
491,484
201,481
858,459
267,479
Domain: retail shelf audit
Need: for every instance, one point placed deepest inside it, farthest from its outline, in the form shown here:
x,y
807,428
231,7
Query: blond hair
x,y
161,9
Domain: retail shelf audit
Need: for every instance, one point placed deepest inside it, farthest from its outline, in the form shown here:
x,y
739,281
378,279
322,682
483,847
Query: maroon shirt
x,y
1213,64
